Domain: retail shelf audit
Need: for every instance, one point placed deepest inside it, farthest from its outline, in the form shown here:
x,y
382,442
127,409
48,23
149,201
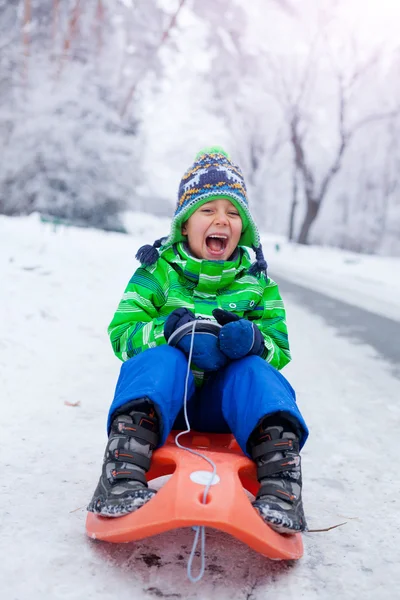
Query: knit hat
x,y
211,177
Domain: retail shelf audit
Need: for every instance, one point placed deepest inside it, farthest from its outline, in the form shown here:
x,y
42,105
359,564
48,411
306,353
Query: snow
x,y
59,289
369,281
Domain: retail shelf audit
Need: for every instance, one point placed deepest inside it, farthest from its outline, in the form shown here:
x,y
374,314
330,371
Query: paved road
x,y
363,326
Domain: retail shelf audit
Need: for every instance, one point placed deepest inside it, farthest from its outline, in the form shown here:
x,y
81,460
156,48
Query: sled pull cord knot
x,y
200,530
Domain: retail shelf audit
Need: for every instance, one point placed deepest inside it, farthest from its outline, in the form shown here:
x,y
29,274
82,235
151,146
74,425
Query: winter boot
x,y
275,449
122,487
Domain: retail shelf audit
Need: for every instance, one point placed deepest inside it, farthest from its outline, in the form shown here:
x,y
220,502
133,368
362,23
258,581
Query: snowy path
x,y
356,323
58,294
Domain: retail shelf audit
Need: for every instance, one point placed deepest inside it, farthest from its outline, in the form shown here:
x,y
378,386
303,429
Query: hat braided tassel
x,y
148,255
261,265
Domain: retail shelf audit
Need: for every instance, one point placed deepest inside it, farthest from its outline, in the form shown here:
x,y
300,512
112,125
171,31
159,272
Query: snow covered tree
x,y
66,151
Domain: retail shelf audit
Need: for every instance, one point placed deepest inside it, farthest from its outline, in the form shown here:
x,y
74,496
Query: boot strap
x,y
134,458
273,489
136,431
273,446
119,472
274,467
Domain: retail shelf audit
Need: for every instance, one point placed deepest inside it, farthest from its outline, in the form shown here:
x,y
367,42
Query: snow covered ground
x,y
58,292
371,282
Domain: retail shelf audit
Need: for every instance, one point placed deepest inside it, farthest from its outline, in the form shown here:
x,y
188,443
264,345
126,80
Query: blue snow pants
x,y
234,399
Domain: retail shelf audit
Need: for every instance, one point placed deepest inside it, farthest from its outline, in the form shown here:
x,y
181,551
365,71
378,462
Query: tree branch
x,y
373,119
346,133
72,29
344,139
307,71
287,7
299,156
163,39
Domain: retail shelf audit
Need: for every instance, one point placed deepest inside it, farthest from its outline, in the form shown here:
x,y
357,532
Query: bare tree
x,y
294,203
293,101
390,181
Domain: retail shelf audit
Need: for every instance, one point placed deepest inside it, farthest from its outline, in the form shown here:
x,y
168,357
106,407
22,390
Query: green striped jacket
x,y
178,279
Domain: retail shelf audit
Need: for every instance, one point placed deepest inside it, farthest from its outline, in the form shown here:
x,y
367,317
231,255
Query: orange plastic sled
x,y
179,503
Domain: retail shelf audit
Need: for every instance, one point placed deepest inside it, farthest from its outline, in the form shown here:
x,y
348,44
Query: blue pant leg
x,y
158,373
251,389
206,414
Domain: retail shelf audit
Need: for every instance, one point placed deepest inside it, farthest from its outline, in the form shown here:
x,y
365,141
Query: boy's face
x,y
214,230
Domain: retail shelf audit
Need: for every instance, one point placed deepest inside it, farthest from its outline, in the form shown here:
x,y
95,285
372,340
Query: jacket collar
x,y
207,275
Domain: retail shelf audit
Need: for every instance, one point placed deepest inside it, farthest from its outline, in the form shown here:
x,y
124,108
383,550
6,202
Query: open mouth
x,y
217,243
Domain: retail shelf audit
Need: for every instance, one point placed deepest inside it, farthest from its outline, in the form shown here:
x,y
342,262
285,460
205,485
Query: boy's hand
x,y
238,337
206,354
179,317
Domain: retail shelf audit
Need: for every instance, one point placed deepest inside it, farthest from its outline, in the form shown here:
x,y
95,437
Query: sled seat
x,y
179,503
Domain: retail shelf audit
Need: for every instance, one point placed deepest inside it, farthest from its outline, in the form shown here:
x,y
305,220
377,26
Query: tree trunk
x,y
26,36
293,206
311,214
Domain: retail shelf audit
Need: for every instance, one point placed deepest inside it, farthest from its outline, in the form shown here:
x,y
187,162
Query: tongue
x,y
215,244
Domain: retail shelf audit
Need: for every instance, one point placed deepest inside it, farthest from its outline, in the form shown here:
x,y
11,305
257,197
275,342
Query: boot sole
x,y
120,507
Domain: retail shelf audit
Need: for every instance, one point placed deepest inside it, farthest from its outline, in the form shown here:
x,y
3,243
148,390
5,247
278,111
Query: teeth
x,y
219,237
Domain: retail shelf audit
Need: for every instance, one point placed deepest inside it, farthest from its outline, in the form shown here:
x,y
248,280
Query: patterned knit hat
x,y
212,176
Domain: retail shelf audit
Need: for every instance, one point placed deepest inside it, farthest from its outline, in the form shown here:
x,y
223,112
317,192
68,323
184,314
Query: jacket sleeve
x,y
270,316
136,325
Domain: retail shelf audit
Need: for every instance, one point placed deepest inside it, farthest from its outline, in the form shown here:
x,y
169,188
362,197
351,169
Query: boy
x,y
203,271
